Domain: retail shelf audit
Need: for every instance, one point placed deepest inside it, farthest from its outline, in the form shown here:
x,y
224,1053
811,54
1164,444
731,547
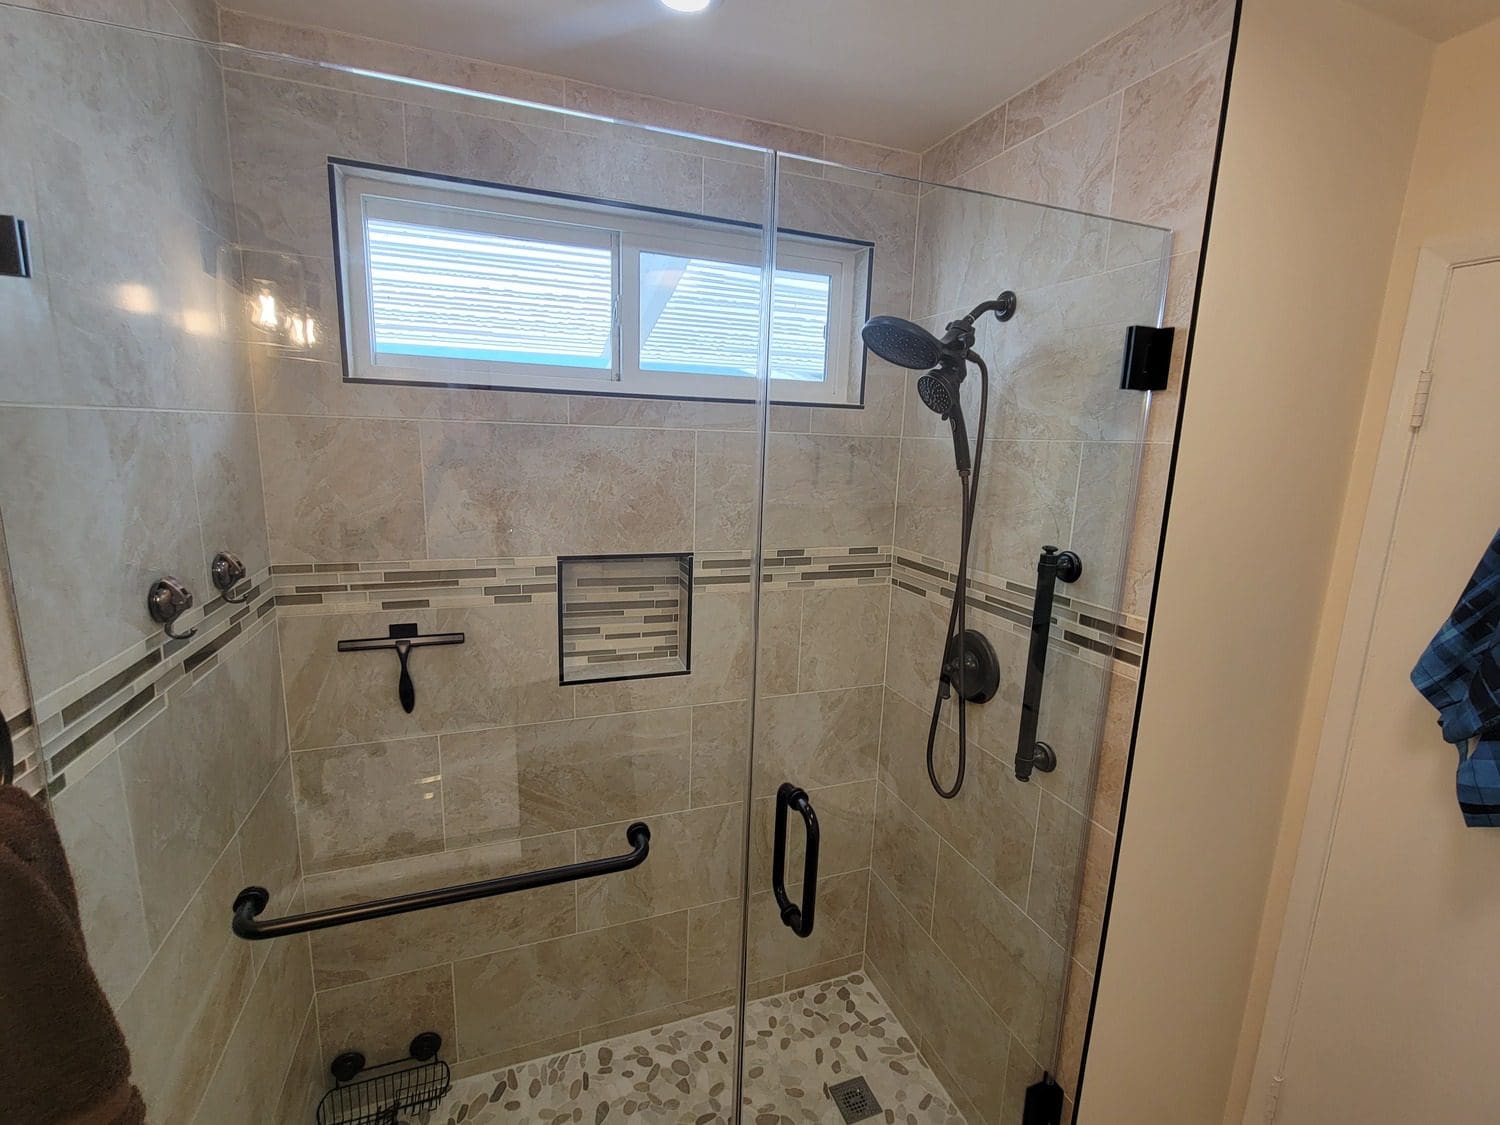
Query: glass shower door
x,y
932,980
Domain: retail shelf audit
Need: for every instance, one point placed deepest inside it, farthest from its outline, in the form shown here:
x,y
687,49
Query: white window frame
x,y
361,192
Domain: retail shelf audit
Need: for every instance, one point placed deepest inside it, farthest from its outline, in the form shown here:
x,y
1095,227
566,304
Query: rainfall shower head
x,y
903,343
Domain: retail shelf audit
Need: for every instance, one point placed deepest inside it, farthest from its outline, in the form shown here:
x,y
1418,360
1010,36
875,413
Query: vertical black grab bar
x,y
1053,567
798,919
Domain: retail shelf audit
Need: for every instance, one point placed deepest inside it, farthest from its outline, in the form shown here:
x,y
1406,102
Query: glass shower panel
x,y
175,388
944,926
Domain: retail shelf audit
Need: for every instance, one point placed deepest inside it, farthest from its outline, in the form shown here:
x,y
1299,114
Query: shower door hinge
x,y
1273,1099
1419,400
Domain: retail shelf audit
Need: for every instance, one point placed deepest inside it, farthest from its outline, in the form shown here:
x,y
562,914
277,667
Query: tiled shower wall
x,y
448,508
127,451
972,907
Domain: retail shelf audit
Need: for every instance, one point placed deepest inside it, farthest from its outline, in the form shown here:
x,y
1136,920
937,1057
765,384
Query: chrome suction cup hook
x,y
227,571
168,600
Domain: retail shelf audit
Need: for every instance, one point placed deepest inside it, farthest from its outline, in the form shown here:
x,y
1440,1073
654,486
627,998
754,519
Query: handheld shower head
x,y
903,343
938,390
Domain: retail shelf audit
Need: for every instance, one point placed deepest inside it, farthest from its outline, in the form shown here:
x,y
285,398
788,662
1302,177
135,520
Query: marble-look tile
x,y
721,749
390,946
726,491
1070,165
269,847
245,689
343,490
957,153
1145,47
1145,535
843,637
247,1083
231,503
505,673
960,1028
282,136
80,485
1056,869
1093,895
537,490
886,219
721,664
178,773
505,152
1114,750
817,739
991,823
823,490
523,781
306,1080
906,855
1169,133
15,697
546,989
839,930
846,822
881,415
1072,715
1076,1004
1016,967
380,1017
661,414
364,804
179,1018
914,652
95,829
1102,518
695,859
780,632
1182,291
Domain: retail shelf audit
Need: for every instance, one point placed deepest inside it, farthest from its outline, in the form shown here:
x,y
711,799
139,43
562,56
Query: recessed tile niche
x,y
624,617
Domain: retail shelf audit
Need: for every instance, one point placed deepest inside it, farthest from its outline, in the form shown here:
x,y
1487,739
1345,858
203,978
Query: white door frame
x,y
1435,265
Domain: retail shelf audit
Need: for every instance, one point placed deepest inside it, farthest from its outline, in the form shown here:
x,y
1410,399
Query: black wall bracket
x,y
403,639
15,254
1148,358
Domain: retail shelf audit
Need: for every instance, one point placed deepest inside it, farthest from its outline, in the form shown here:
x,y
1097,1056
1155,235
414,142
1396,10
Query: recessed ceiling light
x,y
687,5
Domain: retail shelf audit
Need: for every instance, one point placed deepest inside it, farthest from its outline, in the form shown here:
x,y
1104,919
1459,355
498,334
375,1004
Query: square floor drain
x,y
855,1099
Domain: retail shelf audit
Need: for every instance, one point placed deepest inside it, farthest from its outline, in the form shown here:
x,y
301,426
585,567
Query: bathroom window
x,y
451,283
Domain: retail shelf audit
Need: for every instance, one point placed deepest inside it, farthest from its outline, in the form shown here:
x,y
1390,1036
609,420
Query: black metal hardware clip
x,y
1053,567
403,639
251,901
7,753
799,919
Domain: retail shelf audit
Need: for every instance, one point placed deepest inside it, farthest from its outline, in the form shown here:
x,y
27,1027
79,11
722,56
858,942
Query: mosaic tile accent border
x,y
77,725
798,567
1091,632
624,616
364,587
797,1045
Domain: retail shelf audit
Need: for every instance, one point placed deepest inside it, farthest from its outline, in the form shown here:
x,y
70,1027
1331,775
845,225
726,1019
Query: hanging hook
x,y
168,600
227,571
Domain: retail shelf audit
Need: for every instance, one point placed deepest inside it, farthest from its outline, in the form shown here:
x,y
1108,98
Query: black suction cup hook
x,y
168,600
227,571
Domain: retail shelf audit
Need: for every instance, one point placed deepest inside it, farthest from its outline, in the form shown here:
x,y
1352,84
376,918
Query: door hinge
x,y
1419,400
1273,1099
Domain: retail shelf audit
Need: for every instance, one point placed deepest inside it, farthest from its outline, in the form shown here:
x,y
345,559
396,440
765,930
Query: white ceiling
x,y
1436,19
904,73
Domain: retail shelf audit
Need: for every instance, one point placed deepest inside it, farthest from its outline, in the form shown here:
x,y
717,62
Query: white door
x,y
1398,1013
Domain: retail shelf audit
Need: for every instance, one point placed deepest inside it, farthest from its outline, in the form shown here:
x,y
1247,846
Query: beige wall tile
x,y
306,1079
823,490
846,822
541,490
246,1087
906,855
95,829
80,485
1070,165
780,631
1098,858
349,954
838,930
282,134
179,1018
1167,145
380,1017
1114,749
231,503
721,748
504,673
524,781
726,491
364,804
695,859
461,144
843,637
1061,834
976,142
1016,967
268,845
817,739
342,490
550,988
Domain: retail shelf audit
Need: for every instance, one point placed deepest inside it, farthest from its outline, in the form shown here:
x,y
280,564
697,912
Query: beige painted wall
x,y
1322,124
1450,194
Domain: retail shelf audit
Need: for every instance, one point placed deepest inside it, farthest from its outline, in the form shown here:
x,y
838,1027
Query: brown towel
x,y
63,1059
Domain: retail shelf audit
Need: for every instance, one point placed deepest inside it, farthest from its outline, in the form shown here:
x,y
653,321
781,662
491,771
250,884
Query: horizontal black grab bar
x,y
249,903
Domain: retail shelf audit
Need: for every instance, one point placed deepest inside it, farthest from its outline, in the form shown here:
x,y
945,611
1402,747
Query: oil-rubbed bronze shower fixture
x,y
227,571
168,600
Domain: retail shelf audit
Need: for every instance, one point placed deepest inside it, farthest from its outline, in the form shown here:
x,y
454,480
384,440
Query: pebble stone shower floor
x,y
797,1044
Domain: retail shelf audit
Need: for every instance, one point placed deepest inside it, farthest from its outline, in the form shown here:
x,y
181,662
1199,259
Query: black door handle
x,y
798,918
